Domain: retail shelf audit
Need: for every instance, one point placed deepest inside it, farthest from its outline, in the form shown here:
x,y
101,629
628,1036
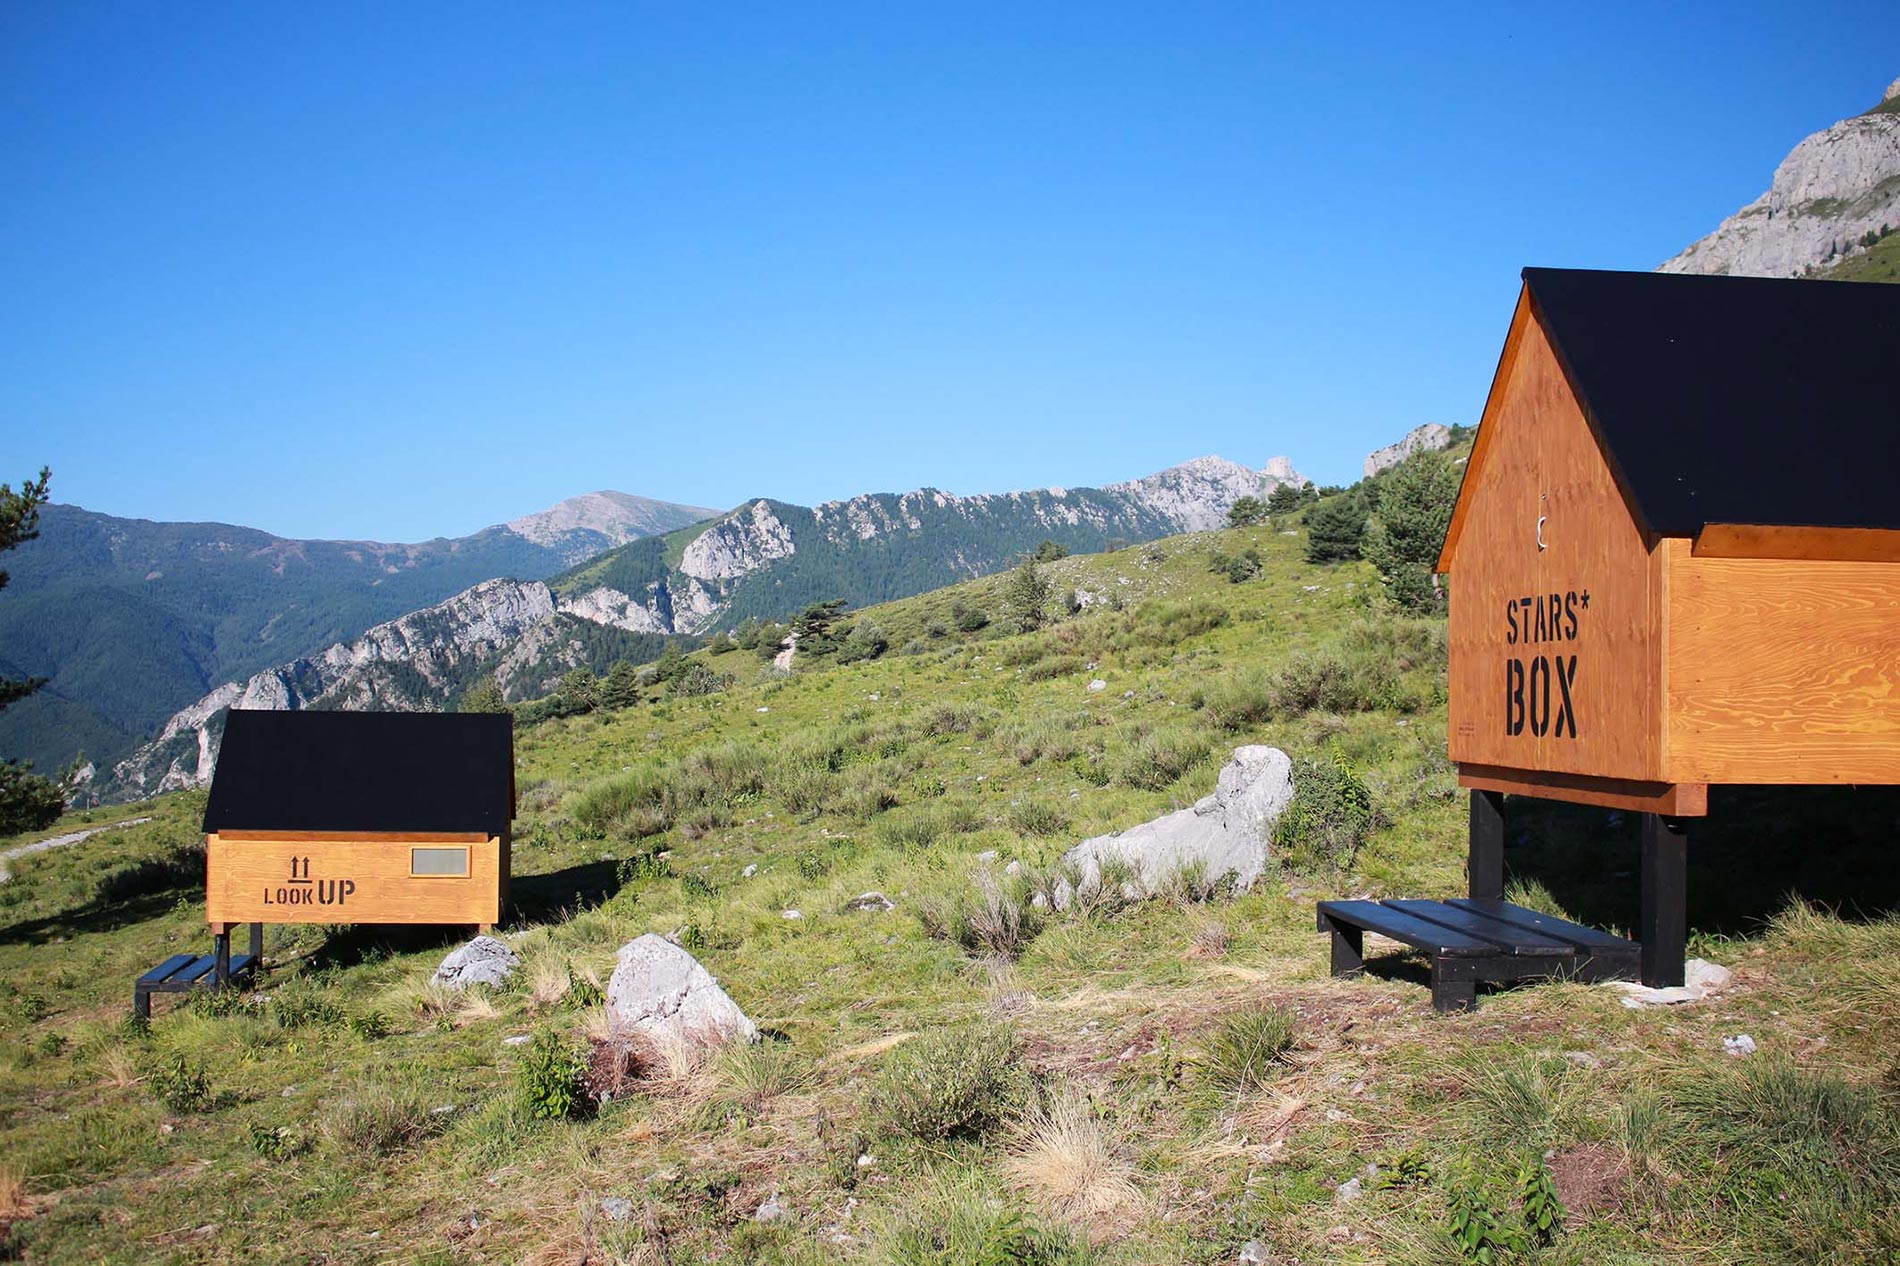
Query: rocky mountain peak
x,y
595,521
1833,196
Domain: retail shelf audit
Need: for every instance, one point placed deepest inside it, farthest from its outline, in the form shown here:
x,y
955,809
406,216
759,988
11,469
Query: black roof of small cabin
x,y
1739,400
447,772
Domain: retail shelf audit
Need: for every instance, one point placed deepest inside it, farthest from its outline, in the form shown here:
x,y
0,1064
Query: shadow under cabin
x,y
349,817
1674,563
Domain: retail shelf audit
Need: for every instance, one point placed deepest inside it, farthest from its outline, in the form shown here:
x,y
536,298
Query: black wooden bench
x,y
1469,940
182,973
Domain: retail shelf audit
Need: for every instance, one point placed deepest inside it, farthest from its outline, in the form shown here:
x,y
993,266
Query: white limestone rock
x,y
482,961
1225,833
1832,189
1430,437
660,991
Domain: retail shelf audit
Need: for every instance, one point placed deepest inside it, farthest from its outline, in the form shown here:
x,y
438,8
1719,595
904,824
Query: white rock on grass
x,y
482,961
1738,1045
658,990
1700,979
871,903
1224,833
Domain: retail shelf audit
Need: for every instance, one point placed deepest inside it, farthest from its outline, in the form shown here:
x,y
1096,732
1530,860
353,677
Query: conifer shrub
x,y
959,1081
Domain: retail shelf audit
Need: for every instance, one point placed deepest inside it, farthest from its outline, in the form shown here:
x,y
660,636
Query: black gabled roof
x,y
1735,399
364,771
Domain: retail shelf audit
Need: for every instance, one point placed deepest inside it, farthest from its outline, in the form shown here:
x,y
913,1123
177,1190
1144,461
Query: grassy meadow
x,y
967,1078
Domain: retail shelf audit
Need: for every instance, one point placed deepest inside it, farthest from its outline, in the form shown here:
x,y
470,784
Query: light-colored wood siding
x,y
348,880
1541,460
1782,671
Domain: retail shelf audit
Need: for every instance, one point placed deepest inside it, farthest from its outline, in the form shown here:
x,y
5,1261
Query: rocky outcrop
x,y
1223,835
660,992
742,542
1834,192
1420,439
1195,496
482,961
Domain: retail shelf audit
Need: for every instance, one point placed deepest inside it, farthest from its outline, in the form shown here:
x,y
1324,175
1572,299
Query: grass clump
x,y
960,1220
1249,1049
986,916
1157,759
379,1119
962,1081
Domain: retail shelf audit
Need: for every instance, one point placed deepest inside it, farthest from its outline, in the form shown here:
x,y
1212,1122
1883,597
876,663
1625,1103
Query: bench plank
x,y
201,967
1506,938
1407,929
1577,934
167,969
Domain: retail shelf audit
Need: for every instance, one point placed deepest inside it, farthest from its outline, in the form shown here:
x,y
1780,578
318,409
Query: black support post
x,y
257,946
1486,865
221,956
1664,926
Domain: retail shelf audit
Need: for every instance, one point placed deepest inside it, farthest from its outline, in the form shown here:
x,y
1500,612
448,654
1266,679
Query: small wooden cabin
x,y
1675,557
360,817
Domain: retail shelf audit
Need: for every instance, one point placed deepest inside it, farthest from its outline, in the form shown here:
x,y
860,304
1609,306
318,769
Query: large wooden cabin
x,y
360,817
1675,557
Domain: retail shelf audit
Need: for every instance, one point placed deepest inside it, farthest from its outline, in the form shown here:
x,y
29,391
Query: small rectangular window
x,y
438,862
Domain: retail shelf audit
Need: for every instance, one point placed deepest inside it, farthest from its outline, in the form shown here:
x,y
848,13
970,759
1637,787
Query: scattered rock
x,y
866,1160
518,1039
1583,1059
1097,686
772,1210
1700,979
791,914
1224,833
482,961
871,903
617,1209
1739,1045
1252,1253
661,991
1347,1192
750,870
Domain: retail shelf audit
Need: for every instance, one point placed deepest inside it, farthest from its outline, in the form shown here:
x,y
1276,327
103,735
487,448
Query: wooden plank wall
x,y
1782,671
1604,634
350,880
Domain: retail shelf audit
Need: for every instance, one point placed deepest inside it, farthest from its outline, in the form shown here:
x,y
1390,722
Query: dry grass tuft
x,y
1210,941
14,1202
547,982
118,1069
474,1005
1065,1159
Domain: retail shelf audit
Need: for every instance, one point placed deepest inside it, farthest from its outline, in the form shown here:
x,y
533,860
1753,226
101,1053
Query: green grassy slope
x,y
355,1115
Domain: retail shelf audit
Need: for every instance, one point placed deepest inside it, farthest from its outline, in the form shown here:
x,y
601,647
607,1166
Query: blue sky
x,y
399,271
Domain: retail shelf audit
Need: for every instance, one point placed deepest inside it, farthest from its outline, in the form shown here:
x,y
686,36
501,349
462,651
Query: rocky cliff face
x,y
1420,439
1832,197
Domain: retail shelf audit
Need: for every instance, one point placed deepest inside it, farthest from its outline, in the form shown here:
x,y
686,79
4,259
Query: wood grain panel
x,y
346,881
1541,460
1677,800
1783,671
1748,540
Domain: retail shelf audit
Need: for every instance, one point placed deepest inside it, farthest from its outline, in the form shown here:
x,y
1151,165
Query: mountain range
x,y
765,558
131,619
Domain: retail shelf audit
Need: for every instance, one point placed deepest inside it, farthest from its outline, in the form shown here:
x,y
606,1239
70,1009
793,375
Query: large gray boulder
x,y
1226,833
482,961
660,991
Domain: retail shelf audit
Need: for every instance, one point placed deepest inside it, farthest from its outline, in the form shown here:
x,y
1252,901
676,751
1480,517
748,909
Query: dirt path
x,y
58,841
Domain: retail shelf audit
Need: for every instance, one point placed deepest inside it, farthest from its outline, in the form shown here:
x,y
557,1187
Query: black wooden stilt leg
x,y
221,953
1485,868
257,945
1664,925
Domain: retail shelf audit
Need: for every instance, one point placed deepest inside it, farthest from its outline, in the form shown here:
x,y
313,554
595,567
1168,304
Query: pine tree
x,y
1334,529
484,696
27,801
1247,512
1026,596
620,688
1408,530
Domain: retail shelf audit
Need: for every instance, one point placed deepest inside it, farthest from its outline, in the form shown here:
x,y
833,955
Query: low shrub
x,y
1330,816
961,1081
553,1077
1036,817
182,1086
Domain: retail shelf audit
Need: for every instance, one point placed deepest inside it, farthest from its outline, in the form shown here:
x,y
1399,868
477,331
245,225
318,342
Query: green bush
x,y
182,1086
553,1077
1236,701
1249,1048
1036,817
1329,818
961,1081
